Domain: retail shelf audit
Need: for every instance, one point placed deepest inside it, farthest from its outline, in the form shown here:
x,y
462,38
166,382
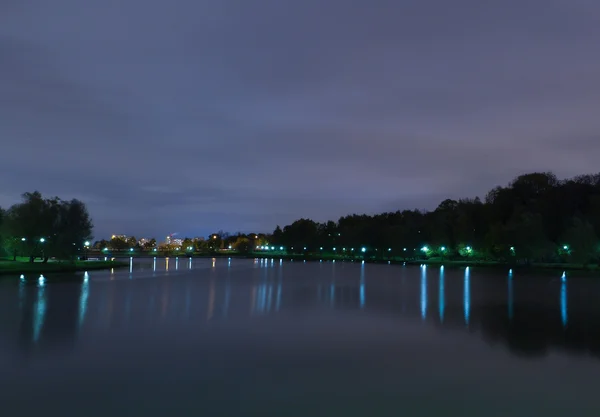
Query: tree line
x,y
536,217
215,242
45,227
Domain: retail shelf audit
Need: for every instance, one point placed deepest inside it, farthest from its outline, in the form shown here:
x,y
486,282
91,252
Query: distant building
x,y
170,240
143,241
198,239
122,237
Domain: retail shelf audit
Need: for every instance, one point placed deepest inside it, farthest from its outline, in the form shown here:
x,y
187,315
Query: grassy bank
x,y
10,267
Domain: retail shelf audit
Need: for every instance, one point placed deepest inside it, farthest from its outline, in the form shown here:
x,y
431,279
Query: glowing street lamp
x,y
42,240
566,247
443,248
281,248
363,250
86,243
23,239
321,248
424,249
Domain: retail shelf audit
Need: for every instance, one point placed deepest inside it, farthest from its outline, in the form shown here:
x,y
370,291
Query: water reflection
x,y
177,263
442,295
467,295
40,309
510,295
531,317
563,300
85,288
362,285
423,292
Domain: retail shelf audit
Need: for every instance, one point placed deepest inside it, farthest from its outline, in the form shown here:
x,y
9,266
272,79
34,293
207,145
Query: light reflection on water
x,y
442,295
83,299
563,300
40,309
467,296
423,292
510,295
225,297
362,285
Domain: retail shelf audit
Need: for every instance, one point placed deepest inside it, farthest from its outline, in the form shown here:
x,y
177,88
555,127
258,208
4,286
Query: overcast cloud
x,y
192,116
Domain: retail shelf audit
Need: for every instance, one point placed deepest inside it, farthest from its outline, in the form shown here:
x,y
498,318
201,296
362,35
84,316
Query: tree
x,y
48,227
73,228
187,245
215,242
582,241
150,244
118,243
242,245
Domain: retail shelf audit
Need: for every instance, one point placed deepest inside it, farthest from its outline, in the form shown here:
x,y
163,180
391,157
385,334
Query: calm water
x,y
270,338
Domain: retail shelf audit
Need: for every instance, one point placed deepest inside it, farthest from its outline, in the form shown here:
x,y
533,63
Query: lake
x,y
237,337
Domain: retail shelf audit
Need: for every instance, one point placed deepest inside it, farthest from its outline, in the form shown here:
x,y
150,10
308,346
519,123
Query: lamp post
x,y
86,246
42,240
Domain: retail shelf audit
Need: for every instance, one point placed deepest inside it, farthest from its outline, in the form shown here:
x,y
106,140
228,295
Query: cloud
x,y
200,115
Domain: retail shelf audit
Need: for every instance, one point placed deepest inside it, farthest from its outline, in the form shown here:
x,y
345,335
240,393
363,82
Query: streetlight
x,y
86,246
363,250
443,248
23,239
424,249
566,247
42,240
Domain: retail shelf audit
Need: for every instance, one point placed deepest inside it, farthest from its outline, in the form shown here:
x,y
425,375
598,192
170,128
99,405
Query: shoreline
x,y
533,267
10,267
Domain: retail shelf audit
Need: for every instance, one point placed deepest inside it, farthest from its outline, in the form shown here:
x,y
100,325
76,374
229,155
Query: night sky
x,y
192,116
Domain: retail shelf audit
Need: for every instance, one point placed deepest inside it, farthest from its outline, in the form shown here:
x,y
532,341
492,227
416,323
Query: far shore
x,y
312,257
